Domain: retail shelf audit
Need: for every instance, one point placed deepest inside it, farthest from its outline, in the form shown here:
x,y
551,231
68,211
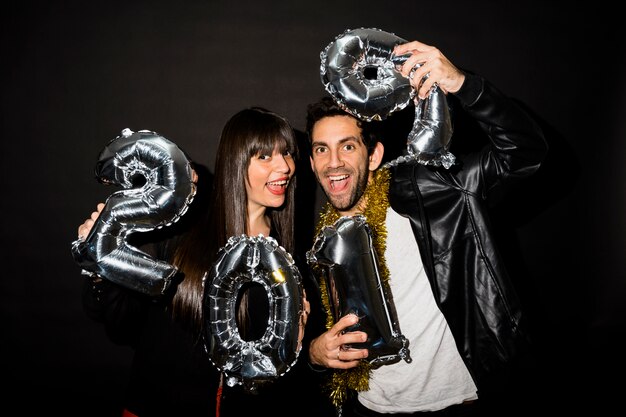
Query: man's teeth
x,y
338,177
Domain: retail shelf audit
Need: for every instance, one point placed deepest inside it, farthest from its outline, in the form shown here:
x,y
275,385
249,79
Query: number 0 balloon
x,y
262,261
162,199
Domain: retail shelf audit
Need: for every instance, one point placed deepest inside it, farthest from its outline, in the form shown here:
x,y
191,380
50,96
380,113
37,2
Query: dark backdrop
x,y
74,74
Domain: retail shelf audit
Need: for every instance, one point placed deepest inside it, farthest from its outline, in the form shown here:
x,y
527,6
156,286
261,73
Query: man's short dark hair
x,y
327,107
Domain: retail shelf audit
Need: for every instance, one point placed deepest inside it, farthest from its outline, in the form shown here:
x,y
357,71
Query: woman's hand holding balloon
x,y
85,228
427,66
306,310
331,349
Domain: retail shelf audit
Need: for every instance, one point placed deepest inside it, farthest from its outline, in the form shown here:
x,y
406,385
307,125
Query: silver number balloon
x,y
163,198
344,258
262,261
358,70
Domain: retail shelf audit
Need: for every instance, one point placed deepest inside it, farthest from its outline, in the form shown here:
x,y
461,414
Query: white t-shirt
x,y
436,377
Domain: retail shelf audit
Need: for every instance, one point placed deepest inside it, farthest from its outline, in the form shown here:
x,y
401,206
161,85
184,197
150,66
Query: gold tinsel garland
x,y
376,203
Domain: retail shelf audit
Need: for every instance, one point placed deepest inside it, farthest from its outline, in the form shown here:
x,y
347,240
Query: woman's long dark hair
x,y
246,134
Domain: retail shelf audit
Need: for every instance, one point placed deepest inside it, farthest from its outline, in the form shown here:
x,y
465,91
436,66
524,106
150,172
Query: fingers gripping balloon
x,y
343,257
260,260
162,200
359,71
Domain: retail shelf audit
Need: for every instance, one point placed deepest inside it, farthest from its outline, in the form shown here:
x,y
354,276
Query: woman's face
x,y
268,178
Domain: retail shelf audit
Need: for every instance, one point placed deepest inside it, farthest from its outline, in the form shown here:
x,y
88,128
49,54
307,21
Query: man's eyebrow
x,y
341,141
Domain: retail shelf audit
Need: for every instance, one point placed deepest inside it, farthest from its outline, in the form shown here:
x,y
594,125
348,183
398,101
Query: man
x,y
454,300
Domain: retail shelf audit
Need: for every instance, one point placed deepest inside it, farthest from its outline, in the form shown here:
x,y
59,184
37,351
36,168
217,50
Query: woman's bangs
x,y
265,143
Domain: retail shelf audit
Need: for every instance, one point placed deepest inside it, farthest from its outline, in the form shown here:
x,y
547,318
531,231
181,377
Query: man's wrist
x,y
317,368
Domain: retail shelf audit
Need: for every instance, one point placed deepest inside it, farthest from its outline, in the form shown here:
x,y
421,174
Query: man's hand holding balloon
x,y
332,348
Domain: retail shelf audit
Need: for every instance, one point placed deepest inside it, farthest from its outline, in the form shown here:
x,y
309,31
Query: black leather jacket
x,y
449,218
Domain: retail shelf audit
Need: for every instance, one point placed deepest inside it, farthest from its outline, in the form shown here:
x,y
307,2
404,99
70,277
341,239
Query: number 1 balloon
x,y
359,70
162,199
344,258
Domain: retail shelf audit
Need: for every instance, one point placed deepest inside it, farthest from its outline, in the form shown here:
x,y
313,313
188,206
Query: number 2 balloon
x,y
162,199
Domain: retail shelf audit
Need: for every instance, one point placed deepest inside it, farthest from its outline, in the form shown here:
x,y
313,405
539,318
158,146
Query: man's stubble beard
x,y
354,196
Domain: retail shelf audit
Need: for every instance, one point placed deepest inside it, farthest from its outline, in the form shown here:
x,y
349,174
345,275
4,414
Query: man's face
x,y
340,162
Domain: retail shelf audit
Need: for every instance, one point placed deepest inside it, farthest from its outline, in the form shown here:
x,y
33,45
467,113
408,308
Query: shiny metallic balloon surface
x,y
163,197
359,70
344,257
262,261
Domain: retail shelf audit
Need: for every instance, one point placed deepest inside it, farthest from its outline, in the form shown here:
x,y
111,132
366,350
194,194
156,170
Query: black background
x,y
74,74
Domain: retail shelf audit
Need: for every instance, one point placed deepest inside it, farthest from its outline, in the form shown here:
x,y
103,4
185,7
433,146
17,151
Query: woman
x,y
253,193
